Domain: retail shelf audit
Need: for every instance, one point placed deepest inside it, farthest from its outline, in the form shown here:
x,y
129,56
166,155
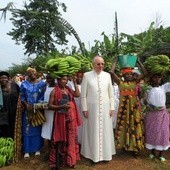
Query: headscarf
x,y
126,70
31,68
4,73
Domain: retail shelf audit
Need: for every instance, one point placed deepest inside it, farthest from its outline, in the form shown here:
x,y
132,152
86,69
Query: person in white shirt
x,y
79,78
116,98
157,119
47,127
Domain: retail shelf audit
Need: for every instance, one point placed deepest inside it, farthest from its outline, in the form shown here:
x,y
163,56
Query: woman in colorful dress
x,y
129,128
157,118
64,148
32,91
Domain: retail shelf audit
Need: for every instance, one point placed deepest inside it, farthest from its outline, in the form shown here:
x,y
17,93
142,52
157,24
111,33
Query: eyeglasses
x,y
100,64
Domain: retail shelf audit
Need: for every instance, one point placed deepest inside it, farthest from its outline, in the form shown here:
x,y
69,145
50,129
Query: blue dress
x,y
31,137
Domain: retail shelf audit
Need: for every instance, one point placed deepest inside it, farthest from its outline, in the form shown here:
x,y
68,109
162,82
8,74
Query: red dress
x,y
64,149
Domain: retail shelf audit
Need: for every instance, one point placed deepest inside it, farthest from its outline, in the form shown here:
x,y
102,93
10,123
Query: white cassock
x,y
97,98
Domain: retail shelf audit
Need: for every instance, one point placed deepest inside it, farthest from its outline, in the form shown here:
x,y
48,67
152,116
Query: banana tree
x,y
106,48
142,42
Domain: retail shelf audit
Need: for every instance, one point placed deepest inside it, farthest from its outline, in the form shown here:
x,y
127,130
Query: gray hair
x,y
97,56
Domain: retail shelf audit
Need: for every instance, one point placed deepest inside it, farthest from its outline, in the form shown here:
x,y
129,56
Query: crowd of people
x,y
90,114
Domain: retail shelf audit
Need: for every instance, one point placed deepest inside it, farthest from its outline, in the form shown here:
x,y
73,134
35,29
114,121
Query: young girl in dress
x,y
157,121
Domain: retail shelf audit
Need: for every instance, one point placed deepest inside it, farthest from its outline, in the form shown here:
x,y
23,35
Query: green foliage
x,y
38,26
107,49
17,69
38,62
167,35
145,41
4,10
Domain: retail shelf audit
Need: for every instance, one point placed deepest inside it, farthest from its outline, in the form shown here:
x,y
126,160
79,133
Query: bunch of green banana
x,y
61,66
86,62
6,150
6,142
2,142
159,64
52,64
57,66
2,160
38,118
107,66
74,64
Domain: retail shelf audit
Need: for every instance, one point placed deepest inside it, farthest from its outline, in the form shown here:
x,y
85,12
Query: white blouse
x,y
157,95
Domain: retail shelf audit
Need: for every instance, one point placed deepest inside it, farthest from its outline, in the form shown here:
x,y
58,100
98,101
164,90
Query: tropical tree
x,y
39,26
38,62
167,35
145,41
10,6
107,48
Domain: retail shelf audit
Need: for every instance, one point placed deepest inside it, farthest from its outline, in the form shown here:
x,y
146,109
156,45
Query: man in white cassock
x,y
97,101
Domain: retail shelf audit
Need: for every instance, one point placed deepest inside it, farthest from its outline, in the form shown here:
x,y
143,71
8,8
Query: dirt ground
x,y
120,161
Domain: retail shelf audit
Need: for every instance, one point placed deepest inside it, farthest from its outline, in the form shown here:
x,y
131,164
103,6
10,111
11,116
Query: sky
x,y
90,18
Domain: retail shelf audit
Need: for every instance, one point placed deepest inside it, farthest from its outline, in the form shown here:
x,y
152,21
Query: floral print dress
x,y
129,128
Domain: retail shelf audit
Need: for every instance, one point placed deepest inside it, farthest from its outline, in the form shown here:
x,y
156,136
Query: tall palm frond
x,y
73,31
4,10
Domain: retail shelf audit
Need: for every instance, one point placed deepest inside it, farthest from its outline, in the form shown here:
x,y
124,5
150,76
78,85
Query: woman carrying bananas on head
x,y
32,92
157,119
129,134
64,148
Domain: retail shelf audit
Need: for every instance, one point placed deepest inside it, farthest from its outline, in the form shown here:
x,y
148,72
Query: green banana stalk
x,y
159,64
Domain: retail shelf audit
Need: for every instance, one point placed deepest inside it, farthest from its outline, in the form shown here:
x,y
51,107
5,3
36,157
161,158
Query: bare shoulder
x,y
52,92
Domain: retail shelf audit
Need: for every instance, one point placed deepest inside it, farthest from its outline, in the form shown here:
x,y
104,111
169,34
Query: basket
x,y
127,61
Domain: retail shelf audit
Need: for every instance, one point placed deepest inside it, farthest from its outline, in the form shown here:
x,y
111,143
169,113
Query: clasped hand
x,y
65,106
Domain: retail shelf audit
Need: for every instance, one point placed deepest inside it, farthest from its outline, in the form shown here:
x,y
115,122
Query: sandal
x,y
37,154
26,156
151,156
162,159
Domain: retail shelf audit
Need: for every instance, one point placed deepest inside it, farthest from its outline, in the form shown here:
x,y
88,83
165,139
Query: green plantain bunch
x,y
159,64
6,150
86,62
61,66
